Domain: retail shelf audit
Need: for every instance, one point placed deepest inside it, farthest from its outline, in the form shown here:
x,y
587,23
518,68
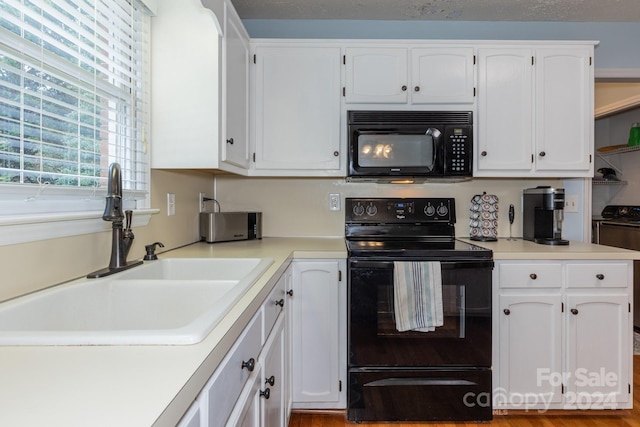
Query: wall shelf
x,y
607,182
616,149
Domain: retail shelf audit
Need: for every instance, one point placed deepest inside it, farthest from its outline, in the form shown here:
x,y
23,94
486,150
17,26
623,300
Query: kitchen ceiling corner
x,y
444,10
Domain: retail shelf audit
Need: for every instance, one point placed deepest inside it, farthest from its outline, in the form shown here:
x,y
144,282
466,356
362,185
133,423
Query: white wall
x,y
299,207
32,266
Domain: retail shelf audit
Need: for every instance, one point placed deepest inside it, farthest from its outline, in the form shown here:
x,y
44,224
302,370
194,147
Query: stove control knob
x,y
372,210
429,210
358,209
443,210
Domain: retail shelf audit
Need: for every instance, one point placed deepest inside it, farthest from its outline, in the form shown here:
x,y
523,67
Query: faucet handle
x,y
128,214
151,251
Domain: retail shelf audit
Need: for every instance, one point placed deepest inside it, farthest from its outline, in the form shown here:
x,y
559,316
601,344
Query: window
x,y
73,99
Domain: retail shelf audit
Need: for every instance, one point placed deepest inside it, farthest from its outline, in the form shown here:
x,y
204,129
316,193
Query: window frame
x,y
34,212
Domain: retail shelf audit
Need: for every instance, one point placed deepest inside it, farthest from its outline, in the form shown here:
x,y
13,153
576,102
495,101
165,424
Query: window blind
x,y
73,99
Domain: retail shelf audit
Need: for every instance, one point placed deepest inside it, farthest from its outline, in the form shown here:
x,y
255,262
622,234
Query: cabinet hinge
x,y
344,91
344,59
254,58
339,275
340,385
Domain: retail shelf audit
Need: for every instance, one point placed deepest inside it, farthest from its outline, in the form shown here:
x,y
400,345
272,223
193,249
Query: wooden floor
x,y
630,418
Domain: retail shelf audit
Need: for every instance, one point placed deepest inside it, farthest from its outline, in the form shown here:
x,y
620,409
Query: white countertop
x,y
138,385
154,385
505,249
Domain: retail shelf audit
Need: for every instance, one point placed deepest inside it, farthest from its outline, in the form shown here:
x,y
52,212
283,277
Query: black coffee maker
x,y
543,213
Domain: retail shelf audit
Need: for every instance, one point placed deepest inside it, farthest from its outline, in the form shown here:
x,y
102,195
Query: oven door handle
x,y
445,265
398,382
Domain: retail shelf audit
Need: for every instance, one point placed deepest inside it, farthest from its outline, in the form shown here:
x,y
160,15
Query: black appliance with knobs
x,y
442,375
619,226
390,146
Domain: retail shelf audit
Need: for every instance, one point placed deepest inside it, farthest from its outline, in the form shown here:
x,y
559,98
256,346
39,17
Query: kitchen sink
x,y
172,301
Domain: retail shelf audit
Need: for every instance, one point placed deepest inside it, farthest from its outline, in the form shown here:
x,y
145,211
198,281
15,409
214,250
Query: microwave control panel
x,y
458,146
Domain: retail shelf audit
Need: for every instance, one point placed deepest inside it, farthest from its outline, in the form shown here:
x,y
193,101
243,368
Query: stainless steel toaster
x,y
228,226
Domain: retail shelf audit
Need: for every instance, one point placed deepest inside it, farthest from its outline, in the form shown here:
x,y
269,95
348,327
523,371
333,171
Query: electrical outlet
x,y
334,202
171,204
201,197
571,203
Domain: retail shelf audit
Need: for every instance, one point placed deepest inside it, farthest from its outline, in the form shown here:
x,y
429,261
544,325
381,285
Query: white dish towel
x,y
417,296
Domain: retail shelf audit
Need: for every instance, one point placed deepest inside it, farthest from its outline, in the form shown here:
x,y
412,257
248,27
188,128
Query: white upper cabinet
x,y
400,75
535,111
564,110
376,75
505,110
442,75
198,100
235,146
296,110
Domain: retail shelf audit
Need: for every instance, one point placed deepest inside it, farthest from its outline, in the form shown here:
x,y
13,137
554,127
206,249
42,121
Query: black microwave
x,y
412,145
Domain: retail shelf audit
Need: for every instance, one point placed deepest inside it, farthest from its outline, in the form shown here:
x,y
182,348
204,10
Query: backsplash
x,y
296,207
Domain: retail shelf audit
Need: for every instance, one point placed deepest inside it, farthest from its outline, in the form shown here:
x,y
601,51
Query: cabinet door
x,y
318,315
235,143
442,75
247,410
274,377
564,110
530,348
598,350
288,275
297,108
376,75
193,417
505,111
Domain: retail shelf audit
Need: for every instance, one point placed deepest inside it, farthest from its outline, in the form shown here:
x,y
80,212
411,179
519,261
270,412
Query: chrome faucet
x,y
121,236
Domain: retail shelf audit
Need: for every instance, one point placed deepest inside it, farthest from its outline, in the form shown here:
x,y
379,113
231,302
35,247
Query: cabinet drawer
x,y
272,307
220,394
530,275
597,275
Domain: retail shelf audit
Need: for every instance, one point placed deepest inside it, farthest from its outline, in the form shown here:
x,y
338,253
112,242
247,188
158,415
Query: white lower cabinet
x,y
318,330
292,354
564,335
261,403
192,417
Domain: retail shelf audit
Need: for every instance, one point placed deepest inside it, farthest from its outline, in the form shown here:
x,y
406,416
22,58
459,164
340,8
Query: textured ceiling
x,y
444,10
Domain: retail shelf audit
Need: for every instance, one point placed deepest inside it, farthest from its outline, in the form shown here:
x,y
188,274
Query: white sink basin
x,y
166,302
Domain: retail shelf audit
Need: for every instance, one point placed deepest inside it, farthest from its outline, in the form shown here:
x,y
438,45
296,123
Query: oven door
x,y
464,340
